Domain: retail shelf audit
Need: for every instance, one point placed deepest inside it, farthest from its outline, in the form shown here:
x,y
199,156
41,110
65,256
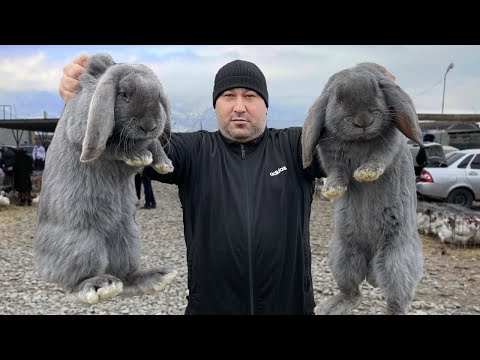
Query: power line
x,y
430,88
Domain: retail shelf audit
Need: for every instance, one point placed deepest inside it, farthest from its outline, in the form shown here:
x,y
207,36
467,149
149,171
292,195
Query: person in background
x,y
22,181
7,162
38,155
421,157
150,202
138,186
142,178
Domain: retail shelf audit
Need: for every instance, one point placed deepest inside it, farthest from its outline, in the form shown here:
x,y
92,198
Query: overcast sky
x,y
296,74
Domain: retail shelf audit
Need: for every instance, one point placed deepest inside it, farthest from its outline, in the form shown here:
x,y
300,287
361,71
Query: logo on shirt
x,y
278,171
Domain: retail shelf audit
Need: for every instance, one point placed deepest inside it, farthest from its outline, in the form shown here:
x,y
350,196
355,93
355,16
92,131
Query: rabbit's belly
x,y
332,156
368,215
368,196
355,223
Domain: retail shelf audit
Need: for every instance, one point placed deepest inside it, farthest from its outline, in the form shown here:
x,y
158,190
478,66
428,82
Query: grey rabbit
x,y
356,128
86,238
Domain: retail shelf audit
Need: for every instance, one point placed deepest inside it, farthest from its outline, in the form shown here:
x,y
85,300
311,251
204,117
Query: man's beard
x,y
240,134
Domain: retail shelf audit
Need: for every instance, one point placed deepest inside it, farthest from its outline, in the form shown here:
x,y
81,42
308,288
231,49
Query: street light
x,y
450,67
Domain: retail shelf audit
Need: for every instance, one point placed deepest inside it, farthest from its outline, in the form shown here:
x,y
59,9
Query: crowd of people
x,y
17,167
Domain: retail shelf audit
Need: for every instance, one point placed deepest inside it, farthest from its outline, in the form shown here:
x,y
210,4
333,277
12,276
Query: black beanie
x,y
240,74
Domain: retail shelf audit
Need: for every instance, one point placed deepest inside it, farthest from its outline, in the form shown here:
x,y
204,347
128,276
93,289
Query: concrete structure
x,y
26,131
10,137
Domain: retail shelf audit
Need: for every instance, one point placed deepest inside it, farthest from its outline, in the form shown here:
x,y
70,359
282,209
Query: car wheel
x,y
461,197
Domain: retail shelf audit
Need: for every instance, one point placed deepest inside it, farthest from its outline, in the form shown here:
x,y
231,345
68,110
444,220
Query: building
x,y
459,130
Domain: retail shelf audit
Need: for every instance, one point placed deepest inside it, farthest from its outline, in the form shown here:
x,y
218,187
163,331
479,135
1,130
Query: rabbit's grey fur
x,y
370,176
86,238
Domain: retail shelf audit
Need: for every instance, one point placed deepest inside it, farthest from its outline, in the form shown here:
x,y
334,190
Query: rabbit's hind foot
x,y
148,282
96,289
339,304
395,310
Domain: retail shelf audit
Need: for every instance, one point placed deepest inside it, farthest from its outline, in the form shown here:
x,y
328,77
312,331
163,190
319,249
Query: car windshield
x,y
435,150
453,156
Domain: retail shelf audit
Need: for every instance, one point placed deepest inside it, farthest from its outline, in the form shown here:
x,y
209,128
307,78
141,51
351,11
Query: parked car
x,y
457,183
28,149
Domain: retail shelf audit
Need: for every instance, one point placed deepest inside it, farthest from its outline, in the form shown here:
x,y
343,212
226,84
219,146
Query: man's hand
x,y
71,72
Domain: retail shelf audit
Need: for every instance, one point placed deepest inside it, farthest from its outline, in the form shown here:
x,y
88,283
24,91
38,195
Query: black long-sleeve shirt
x,y
246,212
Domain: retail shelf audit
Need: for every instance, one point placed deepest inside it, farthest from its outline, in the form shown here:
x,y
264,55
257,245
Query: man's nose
x,y
239,105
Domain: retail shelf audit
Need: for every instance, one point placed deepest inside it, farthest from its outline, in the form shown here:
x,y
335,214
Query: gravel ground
x,y
451,283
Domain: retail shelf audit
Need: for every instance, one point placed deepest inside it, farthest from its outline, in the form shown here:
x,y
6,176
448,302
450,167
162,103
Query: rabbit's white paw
x,y
148,282
143,160
167,279
333,192
97,289
163,168
367,173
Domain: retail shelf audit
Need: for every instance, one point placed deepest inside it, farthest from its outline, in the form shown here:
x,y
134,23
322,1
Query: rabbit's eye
x,y
125,95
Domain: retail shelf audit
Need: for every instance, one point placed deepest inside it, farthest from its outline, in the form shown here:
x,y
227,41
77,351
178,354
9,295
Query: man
x,y
38,155
246,201
421,157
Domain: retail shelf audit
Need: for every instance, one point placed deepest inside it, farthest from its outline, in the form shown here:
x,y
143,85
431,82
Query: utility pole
x,y
10,108
450,67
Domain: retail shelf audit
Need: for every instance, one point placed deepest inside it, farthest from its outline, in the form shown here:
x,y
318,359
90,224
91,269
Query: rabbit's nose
x,y
147,128
363,122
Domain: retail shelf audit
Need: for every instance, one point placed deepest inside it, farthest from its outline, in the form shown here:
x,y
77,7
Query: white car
x,y
458,182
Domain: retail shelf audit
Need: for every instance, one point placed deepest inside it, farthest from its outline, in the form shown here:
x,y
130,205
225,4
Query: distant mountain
x,y
278,117
185,116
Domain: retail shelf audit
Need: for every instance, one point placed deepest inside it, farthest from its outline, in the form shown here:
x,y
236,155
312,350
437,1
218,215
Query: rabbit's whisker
x,y
331,137
167,140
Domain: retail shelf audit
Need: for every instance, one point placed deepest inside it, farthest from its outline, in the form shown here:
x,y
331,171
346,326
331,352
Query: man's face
x,y
241,114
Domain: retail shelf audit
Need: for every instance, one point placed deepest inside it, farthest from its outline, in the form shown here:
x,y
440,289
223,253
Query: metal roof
x,y
45,125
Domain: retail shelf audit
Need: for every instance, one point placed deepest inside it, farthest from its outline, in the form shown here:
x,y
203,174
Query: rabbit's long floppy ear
x,y
314,123
165,137
404,114
312,128
101,119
